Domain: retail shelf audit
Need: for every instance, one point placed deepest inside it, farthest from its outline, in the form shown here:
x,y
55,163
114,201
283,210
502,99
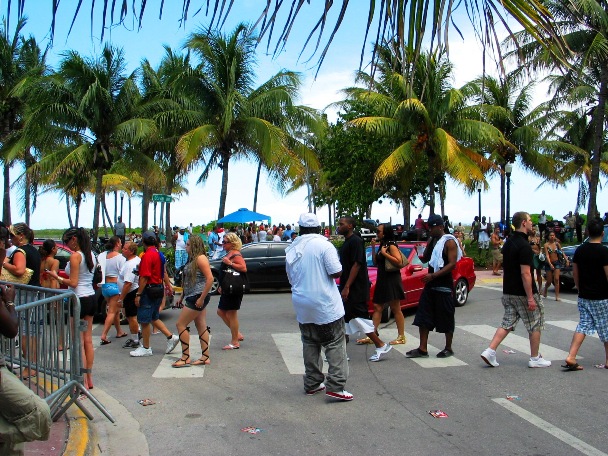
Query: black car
x,y
265,265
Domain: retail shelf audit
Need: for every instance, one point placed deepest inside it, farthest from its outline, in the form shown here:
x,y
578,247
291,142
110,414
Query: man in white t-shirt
x,y
179,240
128,283
312,264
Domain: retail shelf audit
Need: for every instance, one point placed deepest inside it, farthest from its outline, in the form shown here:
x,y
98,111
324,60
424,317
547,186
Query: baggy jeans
x,y
330,336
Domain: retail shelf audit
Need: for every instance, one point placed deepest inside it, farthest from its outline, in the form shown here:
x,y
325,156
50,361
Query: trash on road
x,y
438,414
251,430
509,352
600,366
513,398
145,402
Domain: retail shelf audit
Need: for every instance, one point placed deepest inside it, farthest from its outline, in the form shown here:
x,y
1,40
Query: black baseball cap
x,y
435,220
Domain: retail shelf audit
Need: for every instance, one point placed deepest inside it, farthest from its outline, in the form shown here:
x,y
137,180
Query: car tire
x,y
461,292
566,286
386,314
216,284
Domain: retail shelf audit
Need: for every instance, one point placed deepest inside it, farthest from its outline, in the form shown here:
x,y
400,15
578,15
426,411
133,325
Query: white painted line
x,y
515,342
570,325
164,369
556,432
290,347
412,342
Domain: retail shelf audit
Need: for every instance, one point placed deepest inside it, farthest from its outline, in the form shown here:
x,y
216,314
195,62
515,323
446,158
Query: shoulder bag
x,y
390,267
234,283
8,276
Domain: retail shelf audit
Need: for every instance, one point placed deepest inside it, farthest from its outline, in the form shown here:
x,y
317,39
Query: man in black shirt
x,y
436,305
354,287
590,270
520,295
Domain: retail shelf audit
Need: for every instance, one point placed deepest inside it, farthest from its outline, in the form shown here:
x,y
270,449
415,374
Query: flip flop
x,y
122,335
231,347
365,340
445,353
201,362
105,342
183,362
572,367
417,353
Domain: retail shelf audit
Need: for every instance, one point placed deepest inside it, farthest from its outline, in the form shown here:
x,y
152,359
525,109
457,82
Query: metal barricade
x,y
47,350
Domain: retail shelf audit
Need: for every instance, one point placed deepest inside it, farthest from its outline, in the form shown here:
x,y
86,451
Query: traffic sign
x,y
160,198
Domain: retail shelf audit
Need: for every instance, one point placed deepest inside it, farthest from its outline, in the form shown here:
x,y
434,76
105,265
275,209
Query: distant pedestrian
x,y
579,226
436,306
120,230
128,283
590,270
495,246
520,296
555,260
419,227
179,242
483,240
474,230
354,287
312,264
542,224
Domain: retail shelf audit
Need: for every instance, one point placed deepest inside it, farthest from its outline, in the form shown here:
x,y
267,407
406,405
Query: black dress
x,y
388,284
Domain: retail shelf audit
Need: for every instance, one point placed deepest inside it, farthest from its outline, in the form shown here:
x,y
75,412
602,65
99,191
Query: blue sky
x,y
200,206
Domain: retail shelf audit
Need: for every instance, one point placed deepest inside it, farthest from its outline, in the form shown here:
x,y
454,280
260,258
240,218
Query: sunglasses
x,y
226,242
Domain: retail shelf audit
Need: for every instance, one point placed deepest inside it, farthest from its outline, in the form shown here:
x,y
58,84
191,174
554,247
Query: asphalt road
x,y
260,385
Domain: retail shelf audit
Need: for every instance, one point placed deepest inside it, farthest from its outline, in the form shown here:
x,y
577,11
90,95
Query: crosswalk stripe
x,y
164,369
412,342
515,342
556,432
549,298
290,347
570,325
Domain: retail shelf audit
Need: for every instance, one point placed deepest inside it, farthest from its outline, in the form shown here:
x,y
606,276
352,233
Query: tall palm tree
x,y
240,119
505,103
21,62
583,26
433,125
90,101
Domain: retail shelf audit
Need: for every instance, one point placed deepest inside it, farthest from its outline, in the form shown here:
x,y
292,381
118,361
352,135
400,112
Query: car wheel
x,y
386,314
566,286
462,292
216,285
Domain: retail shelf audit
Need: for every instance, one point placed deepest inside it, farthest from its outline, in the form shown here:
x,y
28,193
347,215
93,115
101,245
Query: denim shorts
x,y
190,302
109,289
148,310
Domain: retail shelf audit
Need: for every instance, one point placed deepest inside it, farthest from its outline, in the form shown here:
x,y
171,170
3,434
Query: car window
x,y
255,251
406,251
63,256
278,250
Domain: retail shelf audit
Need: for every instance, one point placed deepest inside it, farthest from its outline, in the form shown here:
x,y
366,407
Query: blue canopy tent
x,y
243,215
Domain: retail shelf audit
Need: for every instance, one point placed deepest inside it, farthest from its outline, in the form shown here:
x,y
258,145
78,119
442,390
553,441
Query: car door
x,y
256,257
277,274
412,280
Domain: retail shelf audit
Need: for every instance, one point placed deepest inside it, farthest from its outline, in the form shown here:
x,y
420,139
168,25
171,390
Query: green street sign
x,y
159,198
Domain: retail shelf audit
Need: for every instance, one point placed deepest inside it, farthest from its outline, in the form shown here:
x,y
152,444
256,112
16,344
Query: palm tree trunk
x,y
442,197
431,188
257,184
67,207
145,207
26,198
224,191
407,211
599,116
97,205
115,206
77,202
130,212
105,216
6,202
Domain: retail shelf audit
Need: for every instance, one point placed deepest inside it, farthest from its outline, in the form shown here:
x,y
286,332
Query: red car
x,y
411,275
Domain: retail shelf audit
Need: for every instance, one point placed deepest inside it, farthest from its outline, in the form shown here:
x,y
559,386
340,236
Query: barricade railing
x,y
47,351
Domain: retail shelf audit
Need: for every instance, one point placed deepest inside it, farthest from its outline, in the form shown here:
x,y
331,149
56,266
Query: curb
x,y
82,438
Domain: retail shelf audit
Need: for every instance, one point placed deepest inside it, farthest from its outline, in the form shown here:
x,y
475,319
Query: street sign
x,y
159,198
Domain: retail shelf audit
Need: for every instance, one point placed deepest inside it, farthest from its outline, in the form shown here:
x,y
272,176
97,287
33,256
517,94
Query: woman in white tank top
x,y
80,270
110,290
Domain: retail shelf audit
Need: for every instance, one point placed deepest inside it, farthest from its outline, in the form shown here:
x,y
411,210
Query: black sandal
x,y
185,347
417,353
204,359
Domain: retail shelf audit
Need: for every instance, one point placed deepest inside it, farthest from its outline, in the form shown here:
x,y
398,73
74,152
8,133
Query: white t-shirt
x,y
180,243
310,262
127,275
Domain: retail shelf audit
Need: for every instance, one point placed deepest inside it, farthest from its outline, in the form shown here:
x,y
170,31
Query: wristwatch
x,y
9,303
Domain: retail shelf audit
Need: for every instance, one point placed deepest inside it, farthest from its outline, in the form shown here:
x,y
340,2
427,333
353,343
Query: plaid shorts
x,y
516,308
593,317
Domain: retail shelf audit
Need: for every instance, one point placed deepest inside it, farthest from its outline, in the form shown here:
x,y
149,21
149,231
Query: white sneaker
x,y
171,344
489,356
539,362
379,352
141,351
341,395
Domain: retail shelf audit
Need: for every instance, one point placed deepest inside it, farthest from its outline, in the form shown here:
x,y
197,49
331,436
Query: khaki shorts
x,y
496,255
24,417
516,308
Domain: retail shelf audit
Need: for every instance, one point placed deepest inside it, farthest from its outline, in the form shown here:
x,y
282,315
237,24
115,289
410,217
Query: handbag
x,y
155,291
8,276
390,267
234,283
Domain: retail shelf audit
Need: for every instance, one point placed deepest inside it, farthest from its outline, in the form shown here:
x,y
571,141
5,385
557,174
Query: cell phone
x,y
47,270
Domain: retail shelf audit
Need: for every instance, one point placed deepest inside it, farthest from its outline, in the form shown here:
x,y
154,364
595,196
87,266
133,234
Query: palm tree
x,y
505,103
583,26
434,127
21,62
91,102
240,120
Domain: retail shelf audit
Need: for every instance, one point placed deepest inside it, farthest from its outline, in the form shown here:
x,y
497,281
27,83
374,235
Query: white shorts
x,y
359,325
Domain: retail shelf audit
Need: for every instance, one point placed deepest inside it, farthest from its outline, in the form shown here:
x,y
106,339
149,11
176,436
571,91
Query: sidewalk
x,y
75,435
485,277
